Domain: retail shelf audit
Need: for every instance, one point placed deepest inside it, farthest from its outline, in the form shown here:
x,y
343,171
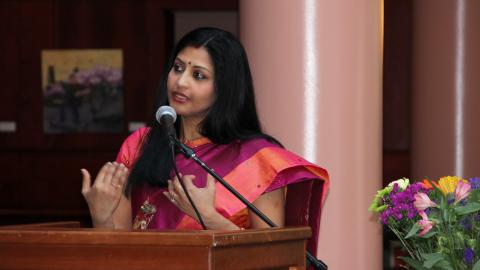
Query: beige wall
x,y
317,68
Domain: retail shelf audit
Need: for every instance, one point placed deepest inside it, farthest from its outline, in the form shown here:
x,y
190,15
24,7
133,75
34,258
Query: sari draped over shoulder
x,y
252,167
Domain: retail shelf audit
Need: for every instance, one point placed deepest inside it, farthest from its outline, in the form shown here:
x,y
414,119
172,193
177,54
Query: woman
x,y
208,83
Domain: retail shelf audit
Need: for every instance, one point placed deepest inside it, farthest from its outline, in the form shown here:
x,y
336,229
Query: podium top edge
x,y
215,238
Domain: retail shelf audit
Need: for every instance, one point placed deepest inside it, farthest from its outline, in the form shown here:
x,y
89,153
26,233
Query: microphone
x,y
166,116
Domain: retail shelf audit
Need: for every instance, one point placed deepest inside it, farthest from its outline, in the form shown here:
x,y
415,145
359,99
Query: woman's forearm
x,y
105,224
215,221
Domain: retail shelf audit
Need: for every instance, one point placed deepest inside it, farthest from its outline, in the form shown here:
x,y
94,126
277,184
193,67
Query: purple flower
x,y
466,223
468,255
475,182
411,213
401,203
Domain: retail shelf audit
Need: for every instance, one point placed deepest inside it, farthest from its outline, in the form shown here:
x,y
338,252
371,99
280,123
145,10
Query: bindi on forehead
x,y
190,63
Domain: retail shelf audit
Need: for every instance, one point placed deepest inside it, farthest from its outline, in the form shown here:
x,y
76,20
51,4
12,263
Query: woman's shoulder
x,y
286,165
260,142
142,131
272,149
130,148
138,135
257,144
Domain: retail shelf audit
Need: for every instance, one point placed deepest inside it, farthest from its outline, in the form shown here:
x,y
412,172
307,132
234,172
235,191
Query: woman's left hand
x,y
203,198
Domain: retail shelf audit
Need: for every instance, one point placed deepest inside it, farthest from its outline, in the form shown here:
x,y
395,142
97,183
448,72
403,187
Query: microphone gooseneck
x,y
166,117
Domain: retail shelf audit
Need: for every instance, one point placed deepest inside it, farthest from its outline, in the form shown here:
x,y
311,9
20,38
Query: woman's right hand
x,y
104,195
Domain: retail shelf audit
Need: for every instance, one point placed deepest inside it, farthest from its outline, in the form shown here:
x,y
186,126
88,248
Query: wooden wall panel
x,y
396,83
10,180
9,52
35,33
396,89
45,179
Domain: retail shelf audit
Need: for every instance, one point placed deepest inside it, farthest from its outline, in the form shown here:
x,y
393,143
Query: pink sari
x,y
252,167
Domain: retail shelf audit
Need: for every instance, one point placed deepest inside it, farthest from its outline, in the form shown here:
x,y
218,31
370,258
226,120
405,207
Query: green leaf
x,y
431,259
444,265
429,234
476,266
467,209
413,231
413,263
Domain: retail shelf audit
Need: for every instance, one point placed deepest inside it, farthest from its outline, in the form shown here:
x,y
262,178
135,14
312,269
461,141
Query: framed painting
x,y
82,91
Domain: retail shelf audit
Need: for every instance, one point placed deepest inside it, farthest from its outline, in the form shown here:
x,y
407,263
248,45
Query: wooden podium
x,y
61,246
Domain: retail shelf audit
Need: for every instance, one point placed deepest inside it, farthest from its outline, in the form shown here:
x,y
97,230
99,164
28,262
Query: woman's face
x,y
190,84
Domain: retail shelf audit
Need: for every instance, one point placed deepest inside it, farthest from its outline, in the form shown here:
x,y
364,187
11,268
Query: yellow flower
x,y
448,184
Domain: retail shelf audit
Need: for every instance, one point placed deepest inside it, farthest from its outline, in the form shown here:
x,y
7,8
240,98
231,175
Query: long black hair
x,y
233,115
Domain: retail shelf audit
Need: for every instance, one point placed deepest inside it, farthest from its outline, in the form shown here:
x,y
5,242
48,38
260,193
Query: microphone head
x,y
165,111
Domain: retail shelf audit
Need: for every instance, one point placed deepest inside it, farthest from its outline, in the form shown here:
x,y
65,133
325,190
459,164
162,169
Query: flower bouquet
x,y
438,222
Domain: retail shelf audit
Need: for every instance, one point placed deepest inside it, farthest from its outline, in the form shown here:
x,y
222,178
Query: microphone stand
x,y
189,153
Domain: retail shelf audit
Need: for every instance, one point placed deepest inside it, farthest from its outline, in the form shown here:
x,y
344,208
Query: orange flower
x,y
426,184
